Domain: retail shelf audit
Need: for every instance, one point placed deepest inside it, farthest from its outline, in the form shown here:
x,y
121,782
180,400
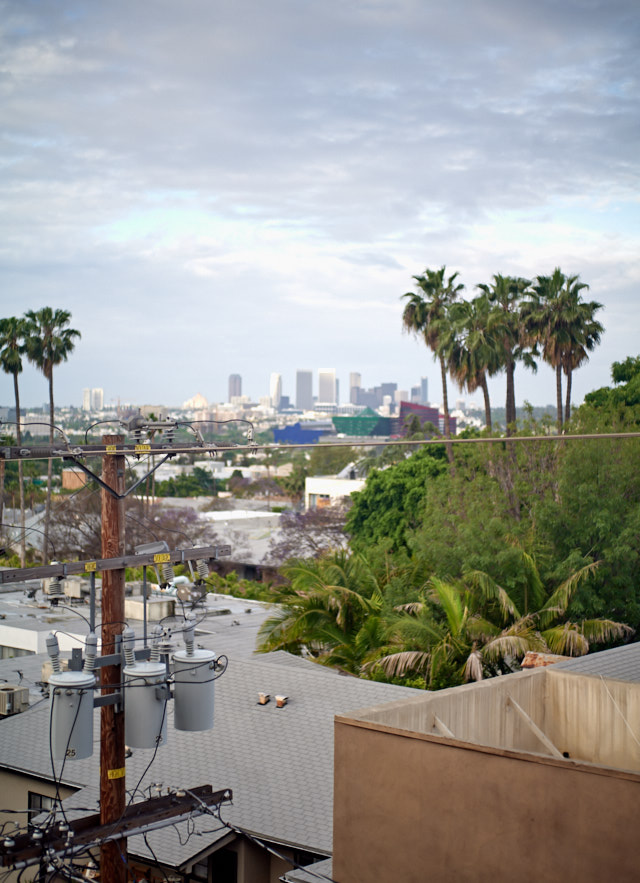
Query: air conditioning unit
x,y
13,700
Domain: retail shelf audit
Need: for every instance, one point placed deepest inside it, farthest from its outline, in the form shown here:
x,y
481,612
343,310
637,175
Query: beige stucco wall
x,y
411,807
14,788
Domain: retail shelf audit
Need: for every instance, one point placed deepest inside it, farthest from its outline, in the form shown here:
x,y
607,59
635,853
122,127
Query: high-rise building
x,y
355,382
304,390
424,390
275,389
235,386
327,393
92,399
97,399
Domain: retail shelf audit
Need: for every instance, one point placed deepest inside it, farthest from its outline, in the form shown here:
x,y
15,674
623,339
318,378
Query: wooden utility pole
x,y
112,748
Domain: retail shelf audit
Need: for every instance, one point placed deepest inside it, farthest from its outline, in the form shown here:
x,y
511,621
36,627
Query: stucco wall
x,y
410,807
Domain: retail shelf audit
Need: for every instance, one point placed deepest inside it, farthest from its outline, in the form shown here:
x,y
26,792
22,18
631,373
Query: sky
x,y
249,187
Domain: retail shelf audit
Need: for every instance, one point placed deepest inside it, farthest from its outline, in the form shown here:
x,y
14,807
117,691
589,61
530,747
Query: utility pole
x,y
112,747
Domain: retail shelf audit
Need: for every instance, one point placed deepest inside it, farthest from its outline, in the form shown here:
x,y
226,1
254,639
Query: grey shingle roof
x,y
318,870
278,762
619,663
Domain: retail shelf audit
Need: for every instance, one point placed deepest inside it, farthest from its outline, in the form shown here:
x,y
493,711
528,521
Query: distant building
x,y
366,423
424,391
197,403
275,390
235,386
304,390
93,399
327,388
425,414
355,382
303,433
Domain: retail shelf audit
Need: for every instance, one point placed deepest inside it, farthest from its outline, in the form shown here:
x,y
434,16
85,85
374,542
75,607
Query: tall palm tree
x,y
565,327
425,315
505,294
474,354
50,342
584,333
545,316
12,348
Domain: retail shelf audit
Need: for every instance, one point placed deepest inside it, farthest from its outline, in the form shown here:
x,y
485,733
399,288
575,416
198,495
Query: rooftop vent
x,y
263,698
281,701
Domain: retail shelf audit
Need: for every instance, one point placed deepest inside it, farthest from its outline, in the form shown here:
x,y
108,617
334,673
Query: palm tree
x,y
565,327
452,636
474,355
330,609
545,316
550,617
12,348
49,343
504,324
425,314
584,333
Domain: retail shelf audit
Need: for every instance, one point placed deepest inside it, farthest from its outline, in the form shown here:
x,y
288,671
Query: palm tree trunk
x,y
567,410
23,550
487,404
510,407
559,396
47,511
445,408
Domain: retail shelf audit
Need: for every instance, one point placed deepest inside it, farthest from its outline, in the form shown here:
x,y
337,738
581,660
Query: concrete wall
x,y
410,806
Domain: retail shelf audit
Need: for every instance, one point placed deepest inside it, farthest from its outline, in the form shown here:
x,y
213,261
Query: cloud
x,y
243,177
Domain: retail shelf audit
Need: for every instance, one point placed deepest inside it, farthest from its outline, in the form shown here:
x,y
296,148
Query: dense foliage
x,y
453,573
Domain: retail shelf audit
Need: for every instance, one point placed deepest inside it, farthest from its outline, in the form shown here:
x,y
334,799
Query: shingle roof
x,y
619,663
278,762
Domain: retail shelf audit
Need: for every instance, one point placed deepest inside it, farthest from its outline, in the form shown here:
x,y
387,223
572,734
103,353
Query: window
x,y
38,803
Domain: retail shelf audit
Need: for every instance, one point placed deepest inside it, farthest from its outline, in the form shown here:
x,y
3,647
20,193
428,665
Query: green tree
x,y
584,333
474,354
12,349
50,341
330,608
425,314
448,638
504,325
390,505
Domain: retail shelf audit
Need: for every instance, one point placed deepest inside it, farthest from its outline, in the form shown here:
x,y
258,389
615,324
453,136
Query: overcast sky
x,y
245,187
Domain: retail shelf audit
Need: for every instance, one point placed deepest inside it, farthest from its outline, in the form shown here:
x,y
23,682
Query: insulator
x,y
91,649
128,640
202,568
189,633
54,652
54,590
156,635
168,573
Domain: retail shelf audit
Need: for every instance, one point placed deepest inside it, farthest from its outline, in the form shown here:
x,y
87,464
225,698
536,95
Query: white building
x,y
275,390
327,387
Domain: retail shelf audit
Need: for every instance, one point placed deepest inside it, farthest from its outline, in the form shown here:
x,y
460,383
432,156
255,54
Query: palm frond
x,y
565,592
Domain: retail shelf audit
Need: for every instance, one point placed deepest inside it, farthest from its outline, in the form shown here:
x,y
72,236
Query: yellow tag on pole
x,y
111,449
162,558
142,449
116,774
90,567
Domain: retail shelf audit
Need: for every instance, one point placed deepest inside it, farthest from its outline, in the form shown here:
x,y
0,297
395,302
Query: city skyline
x,y
385,138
